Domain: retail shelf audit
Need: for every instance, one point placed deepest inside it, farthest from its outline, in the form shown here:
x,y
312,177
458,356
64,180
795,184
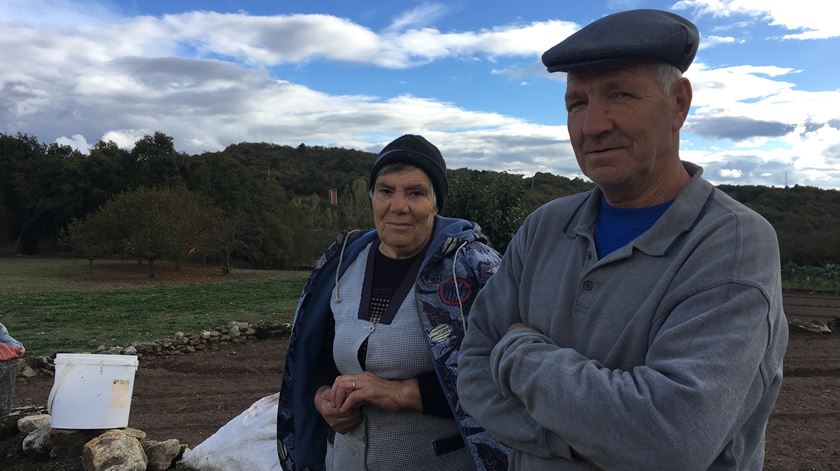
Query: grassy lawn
x,y
57,306
821,279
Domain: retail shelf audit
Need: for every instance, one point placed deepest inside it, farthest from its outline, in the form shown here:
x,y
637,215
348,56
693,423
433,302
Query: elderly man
x,y
639,325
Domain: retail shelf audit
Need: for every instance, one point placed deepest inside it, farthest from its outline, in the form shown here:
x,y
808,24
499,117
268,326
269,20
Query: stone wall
x,y
177,344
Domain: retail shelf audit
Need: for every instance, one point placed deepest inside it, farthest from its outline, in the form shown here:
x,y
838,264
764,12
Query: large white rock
x,y
114,450
31,423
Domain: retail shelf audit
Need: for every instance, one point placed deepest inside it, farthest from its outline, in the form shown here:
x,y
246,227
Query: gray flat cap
x,y
620,37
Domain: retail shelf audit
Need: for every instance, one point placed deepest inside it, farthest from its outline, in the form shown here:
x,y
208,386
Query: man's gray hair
x,y
666,75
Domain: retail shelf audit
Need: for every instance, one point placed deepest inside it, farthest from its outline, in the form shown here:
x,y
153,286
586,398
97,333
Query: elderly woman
x,y
370,373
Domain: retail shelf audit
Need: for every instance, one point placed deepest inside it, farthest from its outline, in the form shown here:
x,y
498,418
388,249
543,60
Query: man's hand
x,y
340,422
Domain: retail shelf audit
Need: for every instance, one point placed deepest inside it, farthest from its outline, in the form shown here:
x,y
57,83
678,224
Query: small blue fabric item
x,y
629,35
616,227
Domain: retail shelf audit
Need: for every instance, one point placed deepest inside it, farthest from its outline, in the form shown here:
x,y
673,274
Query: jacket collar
x,y
447,236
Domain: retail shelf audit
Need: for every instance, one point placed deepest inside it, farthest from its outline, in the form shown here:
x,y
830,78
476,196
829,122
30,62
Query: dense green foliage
x,y
266,205
806,219
148,224
492,199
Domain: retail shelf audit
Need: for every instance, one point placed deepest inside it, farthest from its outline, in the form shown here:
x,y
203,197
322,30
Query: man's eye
x,y
384,191
415,193
574,104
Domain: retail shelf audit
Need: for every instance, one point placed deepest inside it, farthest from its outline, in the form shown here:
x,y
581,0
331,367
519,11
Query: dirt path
x,y
812,306
189,397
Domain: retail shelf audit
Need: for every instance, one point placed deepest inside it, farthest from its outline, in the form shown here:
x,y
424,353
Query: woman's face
x,y
404,210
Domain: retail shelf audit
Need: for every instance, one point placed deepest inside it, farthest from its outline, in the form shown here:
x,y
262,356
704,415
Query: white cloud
x,y
77,141
420,16
206,105
813,19
535,69
780,132
759,93
516,147
125,138
121,81
274,40
712,41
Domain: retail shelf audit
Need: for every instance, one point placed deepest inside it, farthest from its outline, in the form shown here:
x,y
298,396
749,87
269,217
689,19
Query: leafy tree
x,y
18,157
492,199
40,189
147,224
191,231
109,170
354,210
317,226
544,187
267,225
157,163
92,237
226,236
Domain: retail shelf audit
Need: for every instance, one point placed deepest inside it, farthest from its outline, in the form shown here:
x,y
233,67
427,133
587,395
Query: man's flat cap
x,y
626,36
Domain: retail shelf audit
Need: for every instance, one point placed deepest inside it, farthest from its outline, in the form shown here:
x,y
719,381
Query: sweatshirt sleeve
x,y
671,413
496,308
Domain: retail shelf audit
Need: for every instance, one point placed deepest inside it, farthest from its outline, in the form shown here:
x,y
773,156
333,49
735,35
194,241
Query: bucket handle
x,y
59,380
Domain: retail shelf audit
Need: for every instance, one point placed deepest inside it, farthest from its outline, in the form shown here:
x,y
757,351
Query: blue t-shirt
x,y
616,227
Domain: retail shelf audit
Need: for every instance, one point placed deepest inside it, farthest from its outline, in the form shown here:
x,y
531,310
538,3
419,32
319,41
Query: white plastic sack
x,y
246,443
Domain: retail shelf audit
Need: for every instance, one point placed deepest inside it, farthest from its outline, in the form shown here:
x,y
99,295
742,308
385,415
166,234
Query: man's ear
x,y
681,94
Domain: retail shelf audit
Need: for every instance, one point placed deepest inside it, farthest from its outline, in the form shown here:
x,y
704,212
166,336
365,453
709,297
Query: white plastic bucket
x,y
91,391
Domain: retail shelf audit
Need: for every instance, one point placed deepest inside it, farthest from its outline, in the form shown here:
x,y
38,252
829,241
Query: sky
x,y
466,74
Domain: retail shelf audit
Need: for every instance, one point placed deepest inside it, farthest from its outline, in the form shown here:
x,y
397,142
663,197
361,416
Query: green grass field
x,y
58,305
55,305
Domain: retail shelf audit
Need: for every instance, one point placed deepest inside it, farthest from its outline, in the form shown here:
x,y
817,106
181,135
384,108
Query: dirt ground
x,y
189,397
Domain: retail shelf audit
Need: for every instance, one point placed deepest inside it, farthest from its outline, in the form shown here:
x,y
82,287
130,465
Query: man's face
x,y
623,127
404,212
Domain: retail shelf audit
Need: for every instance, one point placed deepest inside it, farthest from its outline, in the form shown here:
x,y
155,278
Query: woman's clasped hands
x,y
340,404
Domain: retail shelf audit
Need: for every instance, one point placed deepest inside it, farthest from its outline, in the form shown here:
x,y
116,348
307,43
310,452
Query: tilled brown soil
x,y
189,397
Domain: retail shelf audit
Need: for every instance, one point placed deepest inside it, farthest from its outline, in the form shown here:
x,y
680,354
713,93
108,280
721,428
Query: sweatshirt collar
x,y
679,218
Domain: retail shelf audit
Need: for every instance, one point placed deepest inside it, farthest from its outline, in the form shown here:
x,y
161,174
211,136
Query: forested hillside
x,y
266,205
807,219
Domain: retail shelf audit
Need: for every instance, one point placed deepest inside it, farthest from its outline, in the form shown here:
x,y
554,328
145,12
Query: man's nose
x,y
597,119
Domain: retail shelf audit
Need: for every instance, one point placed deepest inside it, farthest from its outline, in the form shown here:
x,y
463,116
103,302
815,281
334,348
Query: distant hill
x,y
303,170
275,197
